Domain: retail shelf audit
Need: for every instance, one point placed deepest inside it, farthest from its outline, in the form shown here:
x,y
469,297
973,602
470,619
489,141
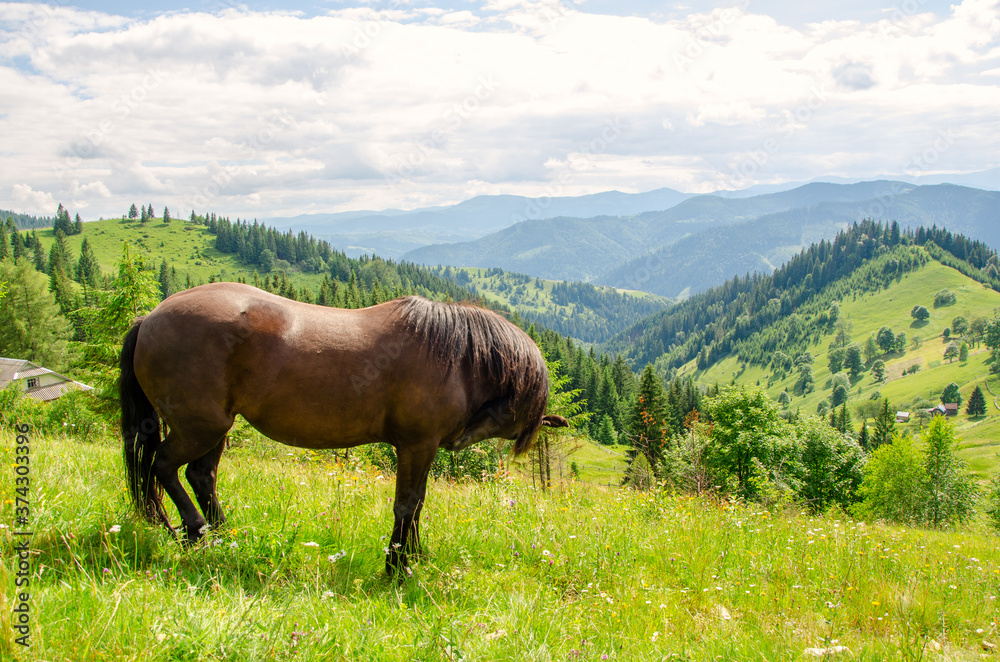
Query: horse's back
x,y
304,375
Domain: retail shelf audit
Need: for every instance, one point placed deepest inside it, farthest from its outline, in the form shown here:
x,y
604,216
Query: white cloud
x,y
275,113
33,202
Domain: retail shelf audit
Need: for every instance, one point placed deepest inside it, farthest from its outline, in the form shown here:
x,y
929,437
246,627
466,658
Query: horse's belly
x,y
310,428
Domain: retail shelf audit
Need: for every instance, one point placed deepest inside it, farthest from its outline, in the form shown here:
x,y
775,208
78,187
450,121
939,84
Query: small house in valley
x,y
902,417
36,382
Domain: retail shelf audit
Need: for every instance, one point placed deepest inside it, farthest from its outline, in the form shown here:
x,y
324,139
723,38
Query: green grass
x,y
579,572
186,246
891,307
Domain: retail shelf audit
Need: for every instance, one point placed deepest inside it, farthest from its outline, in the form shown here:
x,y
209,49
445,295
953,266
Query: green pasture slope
x,y
186,246
891,307
512,573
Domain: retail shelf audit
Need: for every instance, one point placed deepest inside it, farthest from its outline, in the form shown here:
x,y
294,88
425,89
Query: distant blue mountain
x,y
704,240
393,232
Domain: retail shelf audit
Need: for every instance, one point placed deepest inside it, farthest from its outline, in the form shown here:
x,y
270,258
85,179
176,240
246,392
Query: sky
x,y
266,109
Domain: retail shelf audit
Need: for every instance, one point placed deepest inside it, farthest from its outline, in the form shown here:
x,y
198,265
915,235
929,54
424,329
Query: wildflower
x,y
115,529
333,558
233,545
656,635
310,544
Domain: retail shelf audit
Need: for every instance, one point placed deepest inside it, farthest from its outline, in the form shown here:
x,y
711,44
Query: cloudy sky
x,y
267,109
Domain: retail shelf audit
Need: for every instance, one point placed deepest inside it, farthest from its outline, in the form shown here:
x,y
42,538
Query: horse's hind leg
x,y
202,474
180,448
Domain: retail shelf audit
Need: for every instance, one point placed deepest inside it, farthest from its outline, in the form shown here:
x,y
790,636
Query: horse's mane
x,y
495,349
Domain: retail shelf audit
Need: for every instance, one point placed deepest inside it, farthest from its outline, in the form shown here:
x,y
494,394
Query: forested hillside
x,y
584,311
25,221
736,316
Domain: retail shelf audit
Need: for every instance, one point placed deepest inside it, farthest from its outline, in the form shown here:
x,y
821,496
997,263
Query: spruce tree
x,y
38,253
647,423
863,439
977,403
87,268
166,285
885,423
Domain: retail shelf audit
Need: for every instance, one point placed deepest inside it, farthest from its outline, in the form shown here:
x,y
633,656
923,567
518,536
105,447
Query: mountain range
x,y
703,240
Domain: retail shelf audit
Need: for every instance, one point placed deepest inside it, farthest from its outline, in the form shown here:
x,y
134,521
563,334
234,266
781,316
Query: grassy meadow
x,y
581,571
891,307
188,247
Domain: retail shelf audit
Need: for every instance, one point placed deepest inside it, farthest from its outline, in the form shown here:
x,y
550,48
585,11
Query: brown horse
x,y
416,374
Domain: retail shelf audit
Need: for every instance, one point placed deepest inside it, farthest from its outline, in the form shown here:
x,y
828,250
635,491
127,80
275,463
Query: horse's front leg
x,y
412,466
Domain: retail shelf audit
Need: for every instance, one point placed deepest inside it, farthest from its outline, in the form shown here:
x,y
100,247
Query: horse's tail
x,y
140,432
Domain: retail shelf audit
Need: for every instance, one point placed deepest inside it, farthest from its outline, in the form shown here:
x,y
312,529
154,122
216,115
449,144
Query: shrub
x,y
888,488
683,465
993,503
944,298
948,488
833,465
933,488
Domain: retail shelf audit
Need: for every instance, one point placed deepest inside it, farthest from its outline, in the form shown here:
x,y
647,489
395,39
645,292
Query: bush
x,y
944,298
76,413
833,465
747,431
903,485
683,465
948,488
993,503
888,489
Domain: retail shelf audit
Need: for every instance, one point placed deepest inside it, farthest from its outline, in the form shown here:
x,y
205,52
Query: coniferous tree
x,y
165,282
4,244
133,211
885,423
31,326
87,268
977,403
38,253
17,247
863,439
78,225
606,433
648,421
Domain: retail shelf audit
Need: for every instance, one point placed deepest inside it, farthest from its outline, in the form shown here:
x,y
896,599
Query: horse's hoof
x,y
396,566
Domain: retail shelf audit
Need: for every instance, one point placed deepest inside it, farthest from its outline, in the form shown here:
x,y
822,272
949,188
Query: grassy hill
x,y
587,312
891,307
512,573
189,247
